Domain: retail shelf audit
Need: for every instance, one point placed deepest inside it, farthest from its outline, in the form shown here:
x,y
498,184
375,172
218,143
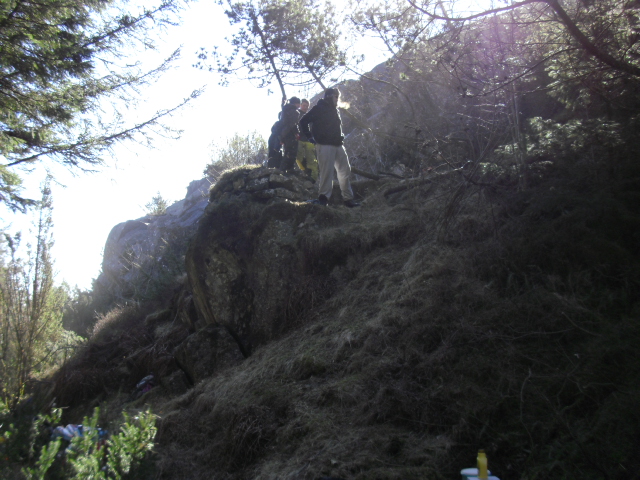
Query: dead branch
x,y
362,173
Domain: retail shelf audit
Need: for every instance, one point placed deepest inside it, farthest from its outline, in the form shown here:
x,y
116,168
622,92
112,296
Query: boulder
x,y
206,351
248,264
240,249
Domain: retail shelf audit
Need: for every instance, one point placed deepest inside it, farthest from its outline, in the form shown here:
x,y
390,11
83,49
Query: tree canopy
x,y
590,42
295,42
471,82
31,306
60,62
238,150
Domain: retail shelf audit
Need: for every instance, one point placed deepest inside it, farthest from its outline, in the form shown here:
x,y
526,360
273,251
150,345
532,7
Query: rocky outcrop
x,y
263,257
242,261
142,255
206,351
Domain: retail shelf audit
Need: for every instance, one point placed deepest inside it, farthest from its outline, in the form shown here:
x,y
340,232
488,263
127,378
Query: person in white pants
x,y
322,125
330,157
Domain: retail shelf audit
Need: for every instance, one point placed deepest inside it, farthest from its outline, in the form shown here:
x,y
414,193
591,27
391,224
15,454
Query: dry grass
x,y
416,337
427,351
121,350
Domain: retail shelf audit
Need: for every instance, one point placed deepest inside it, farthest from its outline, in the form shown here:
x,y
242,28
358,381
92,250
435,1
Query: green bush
x,y
157,206
87,456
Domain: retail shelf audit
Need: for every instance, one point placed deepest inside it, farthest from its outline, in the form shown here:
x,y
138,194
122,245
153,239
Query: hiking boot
x,y
351,203
321,200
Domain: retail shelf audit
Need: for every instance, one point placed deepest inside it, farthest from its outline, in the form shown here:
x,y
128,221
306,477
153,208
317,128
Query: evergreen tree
x,y
157,206
295,42
60,60
469,81
585,45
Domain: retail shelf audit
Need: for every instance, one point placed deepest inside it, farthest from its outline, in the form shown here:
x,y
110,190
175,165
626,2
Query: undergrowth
x,y
89,455
448,315
503,319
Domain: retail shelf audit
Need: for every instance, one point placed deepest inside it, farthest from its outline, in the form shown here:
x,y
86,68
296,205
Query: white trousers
x,y
330,157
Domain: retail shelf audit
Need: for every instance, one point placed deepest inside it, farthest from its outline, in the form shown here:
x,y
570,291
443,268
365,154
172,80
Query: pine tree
x,y
60,60
294,42
157,206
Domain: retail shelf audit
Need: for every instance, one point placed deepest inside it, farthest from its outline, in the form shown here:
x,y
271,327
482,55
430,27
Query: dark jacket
x,y
290,117
303,137
325,123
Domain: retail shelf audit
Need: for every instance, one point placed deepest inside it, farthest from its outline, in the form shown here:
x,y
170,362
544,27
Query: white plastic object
x,y
467,473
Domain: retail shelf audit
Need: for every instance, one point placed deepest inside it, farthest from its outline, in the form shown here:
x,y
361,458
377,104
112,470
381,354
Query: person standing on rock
x,y
274,147
273,144
289,133
306,158
322,126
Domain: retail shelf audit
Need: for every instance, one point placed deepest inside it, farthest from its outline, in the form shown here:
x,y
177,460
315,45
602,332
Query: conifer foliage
x,y
59,60
294,42
157,206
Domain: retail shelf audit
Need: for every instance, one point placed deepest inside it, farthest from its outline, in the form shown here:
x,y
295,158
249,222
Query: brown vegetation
x,y
507,323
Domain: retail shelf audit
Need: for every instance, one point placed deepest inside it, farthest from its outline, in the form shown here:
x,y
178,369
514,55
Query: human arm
x,y
304,122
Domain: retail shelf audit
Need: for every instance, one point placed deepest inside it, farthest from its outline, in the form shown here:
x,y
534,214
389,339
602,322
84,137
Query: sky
x,y
88,206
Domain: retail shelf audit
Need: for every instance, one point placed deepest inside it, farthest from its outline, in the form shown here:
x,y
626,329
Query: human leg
x,y
275,152
326,158
289,158
312,161
301,157
306,159
344,173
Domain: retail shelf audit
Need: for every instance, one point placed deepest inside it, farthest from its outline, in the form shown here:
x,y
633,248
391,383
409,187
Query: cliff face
x,y
262,257
143,255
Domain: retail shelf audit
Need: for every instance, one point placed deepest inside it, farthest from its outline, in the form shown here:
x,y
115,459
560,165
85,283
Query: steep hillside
x,y
484,296
449,313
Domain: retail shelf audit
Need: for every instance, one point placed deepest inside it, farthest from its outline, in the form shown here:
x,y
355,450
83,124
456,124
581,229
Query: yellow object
x,y
306,159
483,473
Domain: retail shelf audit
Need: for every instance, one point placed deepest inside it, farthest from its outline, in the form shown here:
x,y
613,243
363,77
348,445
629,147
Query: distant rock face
x,y
140,253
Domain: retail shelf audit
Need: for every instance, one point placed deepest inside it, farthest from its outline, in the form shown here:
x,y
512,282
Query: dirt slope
x,y
399,338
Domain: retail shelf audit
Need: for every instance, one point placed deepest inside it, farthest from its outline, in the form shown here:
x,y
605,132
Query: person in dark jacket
x,y
275,147
289,133
322,125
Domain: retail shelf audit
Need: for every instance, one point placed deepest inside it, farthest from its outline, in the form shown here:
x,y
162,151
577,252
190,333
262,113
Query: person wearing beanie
x,y
322,125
